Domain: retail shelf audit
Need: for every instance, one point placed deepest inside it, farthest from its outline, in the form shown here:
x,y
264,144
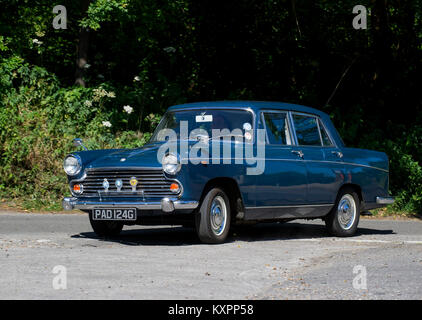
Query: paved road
x,y
296,260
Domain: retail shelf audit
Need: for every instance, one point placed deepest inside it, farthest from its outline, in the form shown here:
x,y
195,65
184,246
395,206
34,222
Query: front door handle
x,y
298,152
337,153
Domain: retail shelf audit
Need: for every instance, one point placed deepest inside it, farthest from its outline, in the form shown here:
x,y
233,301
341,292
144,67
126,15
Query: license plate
x,y
114,214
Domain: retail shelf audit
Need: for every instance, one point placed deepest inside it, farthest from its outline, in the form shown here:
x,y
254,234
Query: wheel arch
x,y
356,188
231,188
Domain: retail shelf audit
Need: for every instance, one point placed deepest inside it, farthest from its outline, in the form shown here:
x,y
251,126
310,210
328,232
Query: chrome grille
x,y
151,183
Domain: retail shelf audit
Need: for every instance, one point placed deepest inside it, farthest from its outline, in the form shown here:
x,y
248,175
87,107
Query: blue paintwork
x,y
288,181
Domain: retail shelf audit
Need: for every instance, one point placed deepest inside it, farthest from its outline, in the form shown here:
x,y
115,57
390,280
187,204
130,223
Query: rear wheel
x,y
213,218
343,219
105,228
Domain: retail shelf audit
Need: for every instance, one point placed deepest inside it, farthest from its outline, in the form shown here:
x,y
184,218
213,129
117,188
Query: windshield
x,y
204,119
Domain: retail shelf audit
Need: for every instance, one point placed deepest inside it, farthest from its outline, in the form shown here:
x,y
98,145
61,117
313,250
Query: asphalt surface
x,y
295,260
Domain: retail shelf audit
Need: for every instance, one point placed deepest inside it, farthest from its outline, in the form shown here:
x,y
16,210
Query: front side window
x,y
276,124
306,128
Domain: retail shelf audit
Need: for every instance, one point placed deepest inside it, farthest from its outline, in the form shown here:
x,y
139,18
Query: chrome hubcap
x,y
218,215
346,211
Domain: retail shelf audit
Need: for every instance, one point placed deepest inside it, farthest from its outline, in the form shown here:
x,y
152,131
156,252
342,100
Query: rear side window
x,y
326,141
307,131
276,124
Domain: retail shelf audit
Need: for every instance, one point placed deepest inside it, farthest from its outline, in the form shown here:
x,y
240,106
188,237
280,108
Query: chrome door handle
x,y
298,152
337,153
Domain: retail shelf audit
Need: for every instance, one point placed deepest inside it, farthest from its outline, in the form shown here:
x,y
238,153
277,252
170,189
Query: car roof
x,y
255,105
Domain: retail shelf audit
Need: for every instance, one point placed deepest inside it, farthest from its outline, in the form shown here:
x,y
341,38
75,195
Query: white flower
x,y
137,78
36,41
128,109
88,103
100,93
87,65
107,124
169,49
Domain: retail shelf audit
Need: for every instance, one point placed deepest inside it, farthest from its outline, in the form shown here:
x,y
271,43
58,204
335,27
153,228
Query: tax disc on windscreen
x,y
247,126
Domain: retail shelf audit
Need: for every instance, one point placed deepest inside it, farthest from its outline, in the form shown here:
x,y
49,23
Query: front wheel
x,y
343,219
213,218
105,228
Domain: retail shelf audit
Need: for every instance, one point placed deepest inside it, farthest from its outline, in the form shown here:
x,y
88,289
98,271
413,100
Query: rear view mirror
x,y
78,142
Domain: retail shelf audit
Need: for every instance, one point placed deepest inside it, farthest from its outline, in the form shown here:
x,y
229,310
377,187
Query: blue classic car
x,y
213,164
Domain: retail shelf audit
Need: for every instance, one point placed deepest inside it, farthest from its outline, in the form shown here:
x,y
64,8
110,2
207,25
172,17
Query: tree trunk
x,y
82,50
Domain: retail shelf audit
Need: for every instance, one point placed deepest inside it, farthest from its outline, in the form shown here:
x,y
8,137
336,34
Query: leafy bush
x,y
39,119
406,177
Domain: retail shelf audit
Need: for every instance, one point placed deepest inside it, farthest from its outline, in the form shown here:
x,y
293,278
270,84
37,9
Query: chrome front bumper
x,y
385,200
166,205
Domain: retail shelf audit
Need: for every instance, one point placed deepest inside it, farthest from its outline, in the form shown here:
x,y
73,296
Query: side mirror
x,y
78,142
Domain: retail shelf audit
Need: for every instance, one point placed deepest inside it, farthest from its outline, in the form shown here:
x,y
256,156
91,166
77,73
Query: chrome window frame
x,y
334,145
292,138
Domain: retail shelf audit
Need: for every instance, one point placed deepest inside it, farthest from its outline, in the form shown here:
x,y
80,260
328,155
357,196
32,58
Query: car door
x,y
284,181
333,159
319,153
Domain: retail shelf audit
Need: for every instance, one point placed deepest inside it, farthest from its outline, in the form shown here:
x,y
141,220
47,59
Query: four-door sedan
x,y
212,164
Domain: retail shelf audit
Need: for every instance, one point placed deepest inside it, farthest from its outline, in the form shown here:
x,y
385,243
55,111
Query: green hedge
x,y
39,118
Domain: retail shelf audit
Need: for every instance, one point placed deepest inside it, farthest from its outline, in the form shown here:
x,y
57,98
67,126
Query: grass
x,y
389,212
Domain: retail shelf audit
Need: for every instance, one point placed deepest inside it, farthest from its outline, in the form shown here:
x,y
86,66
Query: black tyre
x,y
105,228
343,219
213,218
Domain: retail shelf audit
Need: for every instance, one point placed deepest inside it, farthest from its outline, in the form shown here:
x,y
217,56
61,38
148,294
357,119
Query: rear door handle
x,y
337,153
298,152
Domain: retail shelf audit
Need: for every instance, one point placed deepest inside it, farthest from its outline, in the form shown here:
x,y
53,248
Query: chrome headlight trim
x,y
67,165
171,164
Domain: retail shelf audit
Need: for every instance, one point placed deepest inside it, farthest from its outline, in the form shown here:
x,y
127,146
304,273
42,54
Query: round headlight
x,y
171,164
72,165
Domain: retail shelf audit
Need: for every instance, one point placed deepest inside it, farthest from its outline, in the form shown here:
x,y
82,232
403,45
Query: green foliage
x,y
151,54
39,119
103,10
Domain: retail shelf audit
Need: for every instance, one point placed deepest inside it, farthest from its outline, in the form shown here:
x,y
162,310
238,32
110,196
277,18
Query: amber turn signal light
x,y
78,188
174,187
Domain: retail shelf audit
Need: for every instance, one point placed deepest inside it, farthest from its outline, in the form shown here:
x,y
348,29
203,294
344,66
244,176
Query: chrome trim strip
x,y
124,168
322,161
385,200
360,165
74,203
292,129
296,206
